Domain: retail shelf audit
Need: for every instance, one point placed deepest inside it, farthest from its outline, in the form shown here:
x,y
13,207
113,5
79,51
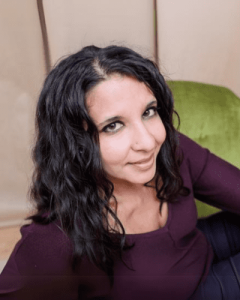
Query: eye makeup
x,y
115,126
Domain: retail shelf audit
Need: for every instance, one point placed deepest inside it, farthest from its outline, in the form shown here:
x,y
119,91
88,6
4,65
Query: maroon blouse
x,y
168,263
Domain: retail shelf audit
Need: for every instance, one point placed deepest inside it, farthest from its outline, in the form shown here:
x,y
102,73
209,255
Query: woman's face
x,y
131,132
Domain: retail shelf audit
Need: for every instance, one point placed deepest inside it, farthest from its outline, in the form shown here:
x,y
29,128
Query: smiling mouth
x,y
144,163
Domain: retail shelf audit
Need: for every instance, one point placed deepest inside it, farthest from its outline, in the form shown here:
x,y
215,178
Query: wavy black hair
x,y
69,184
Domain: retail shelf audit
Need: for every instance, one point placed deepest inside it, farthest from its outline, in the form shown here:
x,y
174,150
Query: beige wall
x,y
200,41
74,24
21,74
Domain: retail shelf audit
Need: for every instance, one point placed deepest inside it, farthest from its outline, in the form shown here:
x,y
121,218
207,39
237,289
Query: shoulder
x,y
190,148
215,180
43,249
194,156
40,266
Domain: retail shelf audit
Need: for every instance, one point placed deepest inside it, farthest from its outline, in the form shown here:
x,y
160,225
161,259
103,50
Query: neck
x,y
132,196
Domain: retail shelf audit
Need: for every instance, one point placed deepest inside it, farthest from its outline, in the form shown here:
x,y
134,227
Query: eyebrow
x,y
117,118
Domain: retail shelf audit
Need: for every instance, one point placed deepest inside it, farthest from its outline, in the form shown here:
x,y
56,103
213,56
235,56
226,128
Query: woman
x,y
114,188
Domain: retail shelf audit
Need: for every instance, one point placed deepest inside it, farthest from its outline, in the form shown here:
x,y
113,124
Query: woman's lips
x,y
144,164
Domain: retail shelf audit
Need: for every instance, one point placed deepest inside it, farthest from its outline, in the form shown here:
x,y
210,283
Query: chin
x,y
132,176
142,178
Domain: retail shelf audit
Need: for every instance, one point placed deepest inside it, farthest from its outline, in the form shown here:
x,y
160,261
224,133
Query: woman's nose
x,y
142,139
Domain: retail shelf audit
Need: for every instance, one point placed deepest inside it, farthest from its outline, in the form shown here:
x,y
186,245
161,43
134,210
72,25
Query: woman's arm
x,y
39,267
215,181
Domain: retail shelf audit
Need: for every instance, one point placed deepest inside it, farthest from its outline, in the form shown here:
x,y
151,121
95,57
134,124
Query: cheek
x,y
158,131
161,134
113,151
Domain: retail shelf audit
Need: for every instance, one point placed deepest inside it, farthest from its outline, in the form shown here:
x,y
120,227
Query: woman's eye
x,y
113,127
150,112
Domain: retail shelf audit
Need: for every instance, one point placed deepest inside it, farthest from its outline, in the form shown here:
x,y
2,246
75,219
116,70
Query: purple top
x,y
168,263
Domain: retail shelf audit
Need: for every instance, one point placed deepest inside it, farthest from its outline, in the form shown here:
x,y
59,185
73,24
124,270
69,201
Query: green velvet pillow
x,y
210,115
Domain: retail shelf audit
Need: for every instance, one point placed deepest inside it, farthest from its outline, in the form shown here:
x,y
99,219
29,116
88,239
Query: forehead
x,y
117,95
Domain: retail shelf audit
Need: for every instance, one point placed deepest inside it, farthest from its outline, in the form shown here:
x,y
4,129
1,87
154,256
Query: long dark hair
x,y
69,183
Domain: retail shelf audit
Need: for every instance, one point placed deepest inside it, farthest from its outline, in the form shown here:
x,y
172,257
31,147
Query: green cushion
x,y
210,115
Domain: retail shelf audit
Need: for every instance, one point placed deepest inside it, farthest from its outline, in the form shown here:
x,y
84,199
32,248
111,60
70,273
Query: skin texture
x,y
137,133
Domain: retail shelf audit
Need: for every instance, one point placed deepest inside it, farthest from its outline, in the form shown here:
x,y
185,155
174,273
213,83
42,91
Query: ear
x,y
85,125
